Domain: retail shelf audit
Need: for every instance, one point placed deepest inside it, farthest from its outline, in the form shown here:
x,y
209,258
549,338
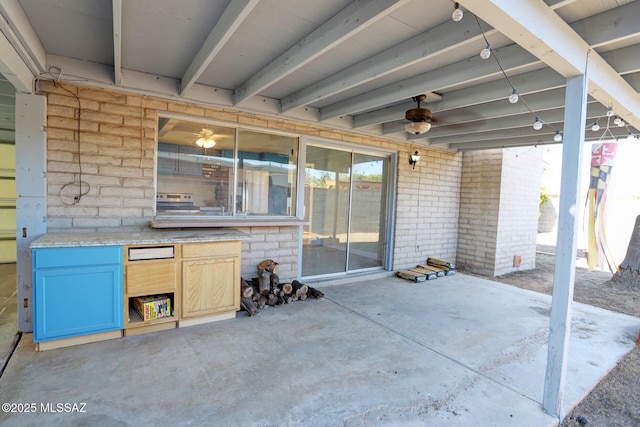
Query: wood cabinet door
x,y
210,286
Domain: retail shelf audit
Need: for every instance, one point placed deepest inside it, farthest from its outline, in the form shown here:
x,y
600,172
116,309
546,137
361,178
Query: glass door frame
x,y
392,156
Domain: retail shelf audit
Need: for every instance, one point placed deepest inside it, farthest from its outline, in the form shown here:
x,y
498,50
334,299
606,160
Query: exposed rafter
x,y
16,27
443,38
351,20
234,15
116,6
611,26
561,48
465,71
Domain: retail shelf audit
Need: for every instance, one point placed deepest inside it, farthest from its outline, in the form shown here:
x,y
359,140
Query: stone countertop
x,y
147,237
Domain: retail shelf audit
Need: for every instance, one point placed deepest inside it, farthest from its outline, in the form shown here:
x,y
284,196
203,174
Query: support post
x,y
566,245
31,186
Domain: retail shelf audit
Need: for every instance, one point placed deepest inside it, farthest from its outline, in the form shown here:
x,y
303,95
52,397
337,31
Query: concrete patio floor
x,y
456,351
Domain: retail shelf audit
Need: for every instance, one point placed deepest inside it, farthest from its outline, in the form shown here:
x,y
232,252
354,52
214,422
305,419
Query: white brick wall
x,y
427,207
518,217
117,148
499,209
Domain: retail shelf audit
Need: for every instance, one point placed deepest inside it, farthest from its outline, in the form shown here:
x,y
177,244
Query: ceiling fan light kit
x,y
205,139
419,118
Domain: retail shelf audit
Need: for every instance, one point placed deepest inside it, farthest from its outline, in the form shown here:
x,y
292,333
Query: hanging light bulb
x,y
630,137
457,13
538,124
622,123
513,98
557,137
610,112
617,120
595,127
486,52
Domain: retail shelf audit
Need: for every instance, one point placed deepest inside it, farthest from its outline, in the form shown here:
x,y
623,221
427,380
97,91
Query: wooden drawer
x,y
211,249
150,277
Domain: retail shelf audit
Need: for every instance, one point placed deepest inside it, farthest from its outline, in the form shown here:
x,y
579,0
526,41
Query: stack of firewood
x,y
266,289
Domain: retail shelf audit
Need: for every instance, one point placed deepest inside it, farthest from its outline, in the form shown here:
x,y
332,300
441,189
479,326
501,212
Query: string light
x,y
513,98
617,120
457,12
486,52
595,127
538,124
610,112
557,137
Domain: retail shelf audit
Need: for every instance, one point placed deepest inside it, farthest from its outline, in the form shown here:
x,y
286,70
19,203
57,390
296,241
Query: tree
x,y
629,270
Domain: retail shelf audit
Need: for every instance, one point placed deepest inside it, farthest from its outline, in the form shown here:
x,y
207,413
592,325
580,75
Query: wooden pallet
x,y
411,275
438,271
437,262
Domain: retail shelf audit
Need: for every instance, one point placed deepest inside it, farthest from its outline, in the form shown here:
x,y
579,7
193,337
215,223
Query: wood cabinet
x,y
210,278
77,291
84,293
150,270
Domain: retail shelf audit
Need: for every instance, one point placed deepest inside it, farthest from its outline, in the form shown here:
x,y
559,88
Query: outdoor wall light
x,y
413,159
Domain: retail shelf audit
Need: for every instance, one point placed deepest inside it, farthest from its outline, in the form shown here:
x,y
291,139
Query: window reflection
x,y
202,170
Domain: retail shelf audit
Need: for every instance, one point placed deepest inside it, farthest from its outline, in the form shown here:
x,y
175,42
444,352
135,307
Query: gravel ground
x,y
615,401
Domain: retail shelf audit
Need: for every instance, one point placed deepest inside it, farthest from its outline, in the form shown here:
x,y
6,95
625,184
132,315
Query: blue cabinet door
x,y
77,300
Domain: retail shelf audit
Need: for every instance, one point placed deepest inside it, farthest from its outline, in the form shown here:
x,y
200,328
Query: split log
x,y
269,265
315,293
302,297
262,302
287,288
275,280
265,282
299,288
246,290
248,306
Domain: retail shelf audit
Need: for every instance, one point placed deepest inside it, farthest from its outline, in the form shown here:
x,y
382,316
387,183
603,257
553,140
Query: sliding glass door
x,y
346,205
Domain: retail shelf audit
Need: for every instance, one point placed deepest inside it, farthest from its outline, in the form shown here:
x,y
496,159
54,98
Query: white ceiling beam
x,y
16,27
526,83
352,19
13,68
522,124
561,48
466,71
610,26
634,81
116,7
505,143
556,4
446,122
435,41
234,15
591,138
625,60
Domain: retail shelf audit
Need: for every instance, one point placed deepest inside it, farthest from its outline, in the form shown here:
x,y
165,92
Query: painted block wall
x,y
499,200
517,232
479,209
117,148
427,207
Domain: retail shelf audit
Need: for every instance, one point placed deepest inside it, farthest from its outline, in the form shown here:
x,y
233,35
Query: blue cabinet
x,y
77,291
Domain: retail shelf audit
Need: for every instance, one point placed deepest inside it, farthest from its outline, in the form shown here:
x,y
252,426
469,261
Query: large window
x,y
215,170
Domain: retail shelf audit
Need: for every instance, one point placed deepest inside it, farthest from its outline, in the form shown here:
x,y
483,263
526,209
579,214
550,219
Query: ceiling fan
x,y
205,138
420,118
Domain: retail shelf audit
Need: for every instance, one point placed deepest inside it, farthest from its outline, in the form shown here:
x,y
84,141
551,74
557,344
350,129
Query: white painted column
x,y
564,276
31,186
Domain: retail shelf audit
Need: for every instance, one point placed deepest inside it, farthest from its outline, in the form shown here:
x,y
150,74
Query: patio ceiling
x,y
342,63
